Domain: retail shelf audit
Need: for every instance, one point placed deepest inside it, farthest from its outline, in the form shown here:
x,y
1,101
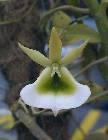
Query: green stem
x,y
98,11
64,7
30,122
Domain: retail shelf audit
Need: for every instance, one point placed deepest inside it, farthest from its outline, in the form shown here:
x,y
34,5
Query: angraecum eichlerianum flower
x,y
55,88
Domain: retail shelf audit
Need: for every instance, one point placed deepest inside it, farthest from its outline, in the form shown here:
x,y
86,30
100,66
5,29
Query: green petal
x,y
54,47
55,85
73,54
36,56
75,32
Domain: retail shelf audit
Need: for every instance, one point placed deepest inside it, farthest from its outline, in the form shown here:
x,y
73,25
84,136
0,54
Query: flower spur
x,y
55,88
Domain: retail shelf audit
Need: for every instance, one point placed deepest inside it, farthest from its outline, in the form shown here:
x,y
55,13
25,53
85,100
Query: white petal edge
x,y
75,100
55,103
32,98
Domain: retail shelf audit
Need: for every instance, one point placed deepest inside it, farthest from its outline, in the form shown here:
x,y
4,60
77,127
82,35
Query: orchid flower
x,y
55,88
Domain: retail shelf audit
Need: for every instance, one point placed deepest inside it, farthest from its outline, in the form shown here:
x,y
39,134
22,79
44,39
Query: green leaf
x,y
61,19
76,32
36,56
55,47
73,54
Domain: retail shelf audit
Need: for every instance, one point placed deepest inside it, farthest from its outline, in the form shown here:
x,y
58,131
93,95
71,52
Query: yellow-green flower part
x,y
55,88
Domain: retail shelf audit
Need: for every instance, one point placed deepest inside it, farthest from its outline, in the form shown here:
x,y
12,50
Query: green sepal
x,y
75,32
55,45
73,54
36,56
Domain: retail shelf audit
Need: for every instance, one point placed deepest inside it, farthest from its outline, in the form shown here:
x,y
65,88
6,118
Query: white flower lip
x,y
31,96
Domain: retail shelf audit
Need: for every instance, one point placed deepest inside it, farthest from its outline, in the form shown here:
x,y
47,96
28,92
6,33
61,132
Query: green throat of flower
x,y
56,84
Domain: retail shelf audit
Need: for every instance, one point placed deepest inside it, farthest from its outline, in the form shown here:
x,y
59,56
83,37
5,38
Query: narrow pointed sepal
x,y
55,47
36,56
73,54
